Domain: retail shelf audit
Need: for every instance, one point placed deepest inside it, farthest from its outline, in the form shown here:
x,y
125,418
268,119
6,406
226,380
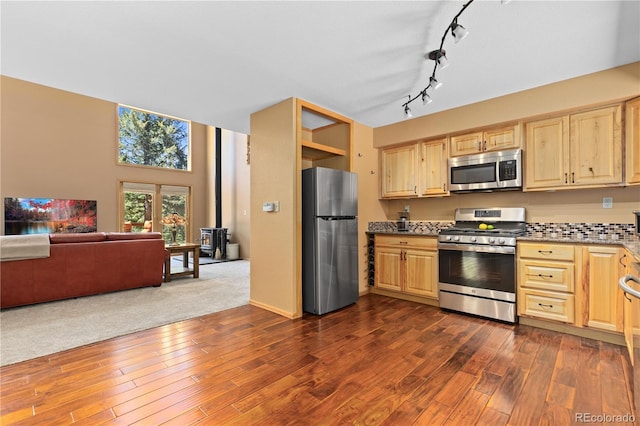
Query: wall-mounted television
x,y
49,216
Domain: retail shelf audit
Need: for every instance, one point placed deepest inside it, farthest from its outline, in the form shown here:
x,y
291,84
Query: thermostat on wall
x,y
267,207
271,206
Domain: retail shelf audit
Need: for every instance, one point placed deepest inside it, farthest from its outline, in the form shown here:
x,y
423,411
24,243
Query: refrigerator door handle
x,y
337,217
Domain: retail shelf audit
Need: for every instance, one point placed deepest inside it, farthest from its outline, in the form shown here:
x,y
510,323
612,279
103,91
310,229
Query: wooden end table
x,y
185,249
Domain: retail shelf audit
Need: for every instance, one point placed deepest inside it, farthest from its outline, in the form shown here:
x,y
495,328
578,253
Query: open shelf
x,y
317,151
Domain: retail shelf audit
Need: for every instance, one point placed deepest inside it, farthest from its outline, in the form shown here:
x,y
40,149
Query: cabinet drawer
x,y
554,276
547,305
406,241
546,251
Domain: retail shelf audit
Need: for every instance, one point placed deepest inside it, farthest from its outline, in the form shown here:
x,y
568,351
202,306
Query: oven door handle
x,y
478,248
626,288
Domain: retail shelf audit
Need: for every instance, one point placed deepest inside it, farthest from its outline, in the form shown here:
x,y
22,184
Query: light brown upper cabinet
x,y
433,167
416,170
398,174
577,150
489,140
632,141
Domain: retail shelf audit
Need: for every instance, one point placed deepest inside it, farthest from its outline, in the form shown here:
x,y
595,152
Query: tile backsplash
x,y
415,226
555,230
582,230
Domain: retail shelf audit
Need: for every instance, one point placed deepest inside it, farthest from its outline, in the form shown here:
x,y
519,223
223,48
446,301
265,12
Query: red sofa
x,y
82,265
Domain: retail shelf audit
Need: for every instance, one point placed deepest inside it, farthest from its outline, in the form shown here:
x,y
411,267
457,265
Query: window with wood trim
x,y
149,139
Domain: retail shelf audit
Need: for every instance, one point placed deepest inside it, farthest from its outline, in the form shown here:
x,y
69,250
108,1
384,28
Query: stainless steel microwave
x,y
488,171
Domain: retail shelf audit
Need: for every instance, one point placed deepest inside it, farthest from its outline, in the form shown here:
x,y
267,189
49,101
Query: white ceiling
x,y
217,62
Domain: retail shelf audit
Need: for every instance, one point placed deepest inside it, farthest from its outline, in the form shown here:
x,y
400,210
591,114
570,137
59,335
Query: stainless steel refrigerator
x,y
329,239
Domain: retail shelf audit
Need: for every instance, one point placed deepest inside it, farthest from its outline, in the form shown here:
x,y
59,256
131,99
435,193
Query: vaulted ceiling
x,y
216,62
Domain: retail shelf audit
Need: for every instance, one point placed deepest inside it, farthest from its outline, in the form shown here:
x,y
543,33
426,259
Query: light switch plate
x,y
607,202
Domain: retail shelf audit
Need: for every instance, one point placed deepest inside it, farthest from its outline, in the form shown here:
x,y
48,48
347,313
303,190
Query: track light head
x,y
433,83
407,112
426,99
458,31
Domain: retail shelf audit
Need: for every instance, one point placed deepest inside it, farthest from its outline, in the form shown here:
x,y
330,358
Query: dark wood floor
x,y
381,361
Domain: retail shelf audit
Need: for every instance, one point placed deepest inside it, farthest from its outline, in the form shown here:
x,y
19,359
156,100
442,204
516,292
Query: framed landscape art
x,y
49,216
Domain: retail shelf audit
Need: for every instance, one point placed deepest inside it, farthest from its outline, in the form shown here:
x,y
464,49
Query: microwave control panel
x,y
507,170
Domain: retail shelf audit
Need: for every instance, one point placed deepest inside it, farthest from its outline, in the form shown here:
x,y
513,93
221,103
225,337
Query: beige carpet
x,y
33,331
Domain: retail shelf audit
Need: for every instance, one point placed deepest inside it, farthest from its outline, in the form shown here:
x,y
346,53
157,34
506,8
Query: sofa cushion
x,y
115,236
88,237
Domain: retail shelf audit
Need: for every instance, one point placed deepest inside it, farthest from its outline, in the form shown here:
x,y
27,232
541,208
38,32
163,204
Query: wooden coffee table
x,y
185,249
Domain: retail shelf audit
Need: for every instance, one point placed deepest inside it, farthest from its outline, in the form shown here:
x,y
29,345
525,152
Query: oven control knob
x,y
492,240
448,238
474,239
501,241
456,238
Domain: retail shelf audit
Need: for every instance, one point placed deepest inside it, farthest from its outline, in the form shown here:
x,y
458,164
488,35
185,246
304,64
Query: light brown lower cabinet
x,y
571,284
407,264
630,310
546,281
601,270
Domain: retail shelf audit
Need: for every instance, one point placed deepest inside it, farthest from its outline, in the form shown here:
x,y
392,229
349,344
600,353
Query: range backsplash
x,y
415,226
555,230
582,230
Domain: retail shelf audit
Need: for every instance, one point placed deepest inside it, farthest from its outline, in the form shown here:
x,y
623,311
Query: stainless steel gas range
x,y
477,262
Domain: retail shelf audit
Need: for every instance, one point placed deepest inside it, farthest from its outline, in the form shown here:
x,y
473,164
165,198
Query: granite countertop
x,y
407,233
634,248
632,243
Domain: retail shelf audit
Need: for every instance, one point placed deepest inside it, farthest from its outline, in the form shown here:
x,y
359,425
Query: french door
x,y
143,206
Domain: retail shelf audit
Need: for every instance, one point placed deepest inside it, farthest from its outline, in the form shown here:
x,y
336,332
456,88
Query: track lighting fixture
x,y
458,32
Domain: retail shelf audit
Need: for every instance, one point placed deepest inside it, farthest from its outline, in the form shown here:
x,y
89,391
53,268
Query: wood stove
x,y
212,239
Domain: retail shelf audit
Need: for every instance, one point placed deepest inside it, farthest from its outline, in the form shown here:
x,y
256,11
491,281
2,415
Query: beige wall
x,y
235,174
370,209
236,194
610,85
577,206
63,145
275,249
